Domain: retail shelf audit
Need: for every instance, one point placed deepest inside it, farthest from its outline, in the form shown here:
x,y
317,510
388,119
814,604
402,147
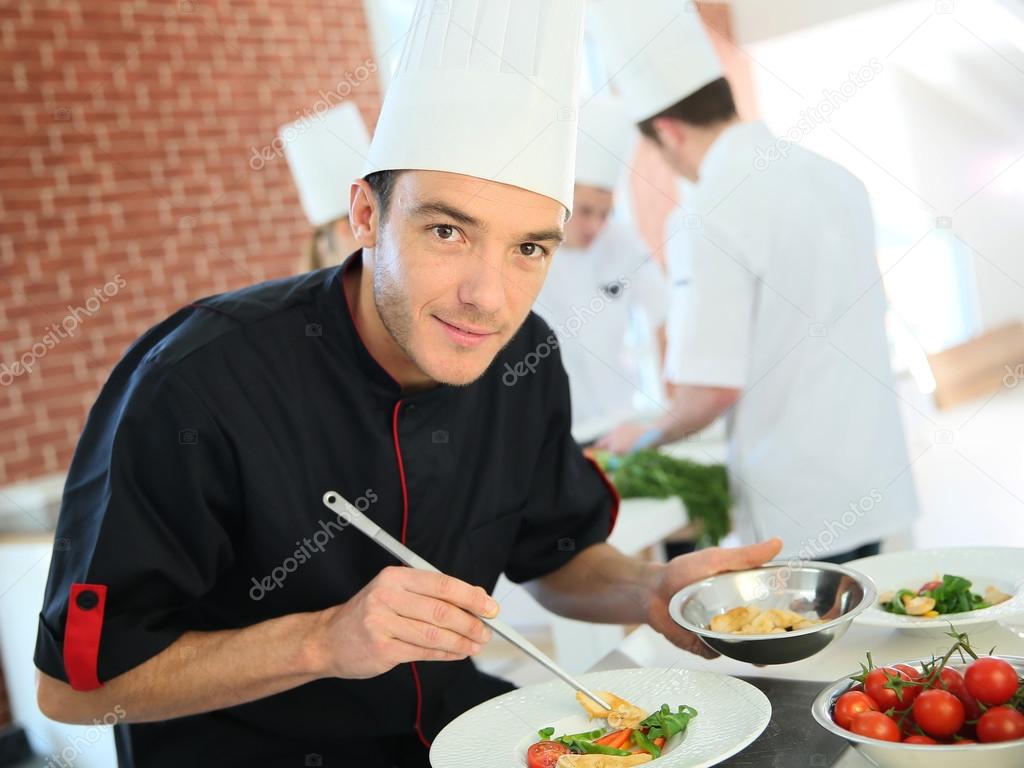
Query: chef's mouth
x,y
467,328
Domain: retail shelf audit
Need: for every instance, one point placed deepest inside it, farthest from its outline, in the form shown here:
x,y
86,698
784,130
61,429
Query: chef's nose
x,y
483,283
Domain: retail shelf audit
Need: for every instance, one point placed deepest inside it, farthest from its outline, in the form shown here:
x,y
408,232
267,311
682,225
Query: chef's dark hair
x,y
711,104
382,182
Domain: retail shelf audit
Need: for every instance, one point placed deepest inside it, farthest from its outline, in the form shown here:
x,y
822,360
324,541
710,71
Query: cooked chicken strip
x,y
602,761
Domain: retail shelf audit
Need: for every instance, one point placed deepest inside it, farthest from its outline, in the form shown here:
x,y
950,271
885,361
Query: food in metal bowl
x,y
751,620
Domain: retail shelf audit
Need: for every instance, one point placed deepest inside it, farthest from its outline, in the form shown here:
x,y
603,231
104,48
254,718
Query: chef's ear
x,y
364,213
671,133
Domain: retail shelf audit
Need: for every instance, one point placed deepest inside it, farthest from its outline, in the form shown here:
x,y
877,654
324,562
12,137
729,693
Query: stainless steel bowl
x,y
886,754
827,591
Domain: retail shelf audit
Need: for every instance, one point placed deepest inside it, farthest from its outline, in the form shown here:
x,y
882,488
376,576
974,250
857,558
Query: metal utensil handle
x,y
517,639
345,510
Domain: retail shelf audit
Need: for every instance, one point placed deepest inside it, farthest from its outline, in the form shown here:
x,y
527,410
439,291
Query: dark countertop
x,y
792,737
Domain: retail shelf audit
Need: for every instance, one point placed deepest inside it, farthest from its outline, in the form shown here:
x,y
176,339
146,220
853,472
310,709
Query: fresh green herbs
x,y
703,488
951,595
667,723
649,736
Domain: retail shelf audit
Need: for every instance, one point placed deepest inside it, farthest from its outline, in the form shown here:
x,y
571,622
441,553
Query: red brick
x,y
163,111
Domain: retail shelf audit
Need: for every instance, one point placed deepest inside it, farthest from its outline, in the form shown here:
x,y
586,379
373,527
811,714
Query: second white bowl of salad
x,y
921,590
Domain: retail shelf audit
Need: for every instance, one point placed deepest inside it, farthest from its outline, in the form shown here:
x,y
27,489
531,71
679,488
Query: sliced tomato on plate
x,y
545,754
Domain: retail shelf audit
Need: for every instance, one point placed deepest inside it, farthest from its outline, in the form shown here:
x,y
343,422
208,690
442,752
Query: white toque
x,y
326,154
487,88
656,51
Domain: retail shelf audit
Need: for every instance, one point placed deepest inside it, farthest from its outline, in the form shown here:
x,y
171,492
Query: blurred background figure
x,y
325,153
604,295
778,314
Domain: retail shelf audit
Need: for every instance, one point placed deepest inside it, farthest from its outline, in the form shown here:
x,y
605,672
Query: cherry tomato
x,y
851,704
918,738
876,725
545,754
1000,724
888,698
950,680
939,713
991,681
953,681
928,585
912,673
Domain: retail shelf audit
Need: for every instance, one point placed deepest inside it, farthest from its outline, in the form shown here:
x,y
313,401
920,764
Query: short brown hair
x,y
382,182
709,105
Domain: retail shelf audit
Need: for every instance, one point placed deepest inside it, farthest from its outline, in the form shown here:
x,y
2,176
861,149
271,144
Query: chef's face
x,y
457,264
591,207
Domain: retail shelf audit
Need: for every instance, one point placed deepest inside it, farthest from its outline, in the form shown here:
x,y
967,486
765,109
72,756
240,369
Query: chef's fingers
x,y
700,649
438,612
719,559
451,590
430,636
690,642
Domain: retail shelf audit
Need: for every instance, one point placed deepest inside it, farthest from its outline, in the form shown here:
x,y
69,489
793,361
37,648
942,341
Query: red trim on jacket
x,y
401,471
405,529
82,635
612,490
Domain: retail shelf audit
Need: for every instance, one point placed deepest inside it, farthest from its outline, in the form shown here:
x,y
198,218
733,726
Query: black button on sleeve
x,y
87,600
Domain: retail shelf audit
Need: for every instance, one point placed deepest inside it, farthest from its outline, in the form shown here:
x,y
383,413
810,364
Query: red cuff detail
x,y
612,491
82,635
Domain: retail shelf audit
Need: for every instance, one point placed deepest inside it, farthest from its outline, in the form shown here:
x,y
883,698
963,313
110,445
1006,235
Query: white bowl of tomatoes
x,y
941,712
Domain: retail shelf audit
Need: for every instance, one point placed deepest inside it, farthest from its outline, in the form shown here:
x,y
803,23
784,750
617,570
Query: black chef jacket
x,y
193,502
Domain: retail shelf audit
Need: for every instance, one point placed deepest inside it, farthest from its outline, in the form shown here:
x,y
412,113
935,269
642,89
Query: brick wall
x,y
138,173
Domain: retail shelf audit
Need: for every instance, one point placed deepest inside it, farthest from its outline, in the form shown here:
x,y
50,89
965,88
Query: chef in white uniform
x,y
325,153
777,315
603,286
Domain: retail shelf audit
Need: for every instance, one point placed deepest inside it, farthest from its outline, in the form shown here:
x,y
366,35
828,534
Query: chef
x,y
604,296
777,315
204,593
323,153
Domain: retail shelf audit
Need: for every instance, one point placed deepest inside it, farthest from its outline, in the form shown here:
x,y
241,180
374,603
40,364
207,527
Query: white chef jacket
x,y
776,291
589,298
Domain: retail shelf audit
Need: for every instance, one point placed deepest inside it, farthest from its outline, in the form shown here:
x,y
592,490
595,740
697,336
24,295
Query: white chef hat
x,y
486,88
606,137
326,154
657,51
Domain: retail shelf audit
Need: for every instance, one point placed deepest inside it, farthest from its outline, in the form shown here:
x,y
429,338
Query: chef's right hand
x,y
405,615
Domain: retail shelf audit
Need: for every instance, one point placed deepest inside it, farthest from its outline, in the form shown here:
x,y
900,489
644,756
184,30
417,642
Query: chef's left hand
x,y
623,438
686,569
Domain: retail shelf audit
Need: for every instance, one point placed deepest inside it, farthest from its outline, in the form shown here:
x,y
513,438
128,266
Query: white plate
x,y
497,733
1000,567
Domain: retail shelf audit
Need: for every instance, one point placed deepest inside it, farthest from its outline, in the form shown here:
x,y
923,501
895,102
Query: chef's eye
x,y
532,250
445,232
